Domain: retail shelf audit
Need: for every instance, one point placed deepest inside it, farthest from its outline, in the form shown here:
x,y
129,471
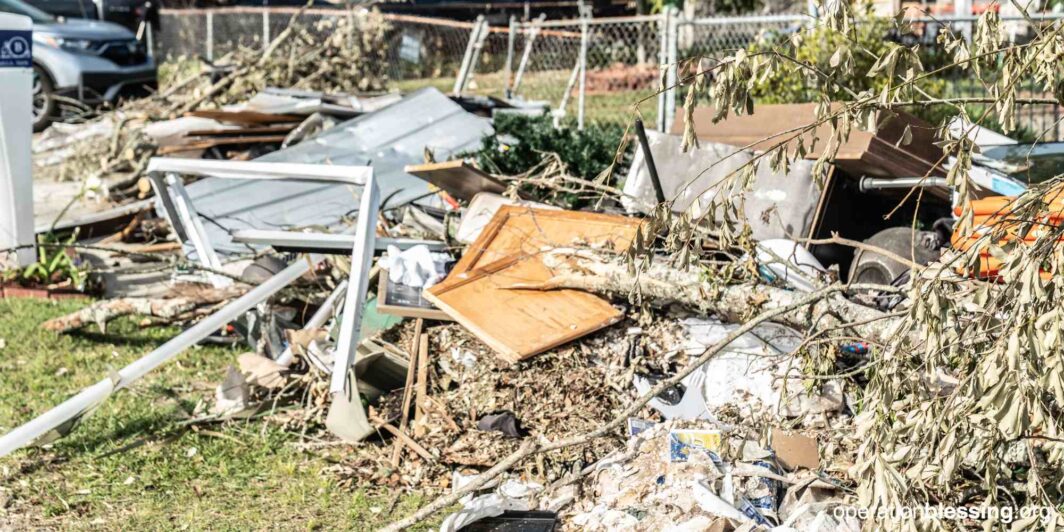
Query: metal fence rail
x,y
588,70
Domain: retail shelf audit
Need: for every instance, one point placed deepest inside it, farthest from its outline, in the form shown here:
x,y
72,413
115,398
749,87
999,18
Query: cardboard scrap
x,y
880,153
795,451
519,323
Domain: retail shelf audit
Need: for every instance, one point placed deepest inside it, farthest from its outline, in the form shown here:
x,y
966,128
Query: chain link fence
x,y
421,51
588,70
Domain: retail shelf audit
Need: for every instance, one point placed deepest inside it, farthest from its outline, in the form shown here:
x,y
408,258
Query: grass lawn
x,y
133,464
613,107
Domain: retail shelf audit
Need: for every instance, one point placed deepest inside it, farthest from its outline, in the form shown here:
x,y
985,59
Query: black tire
x,y
44,104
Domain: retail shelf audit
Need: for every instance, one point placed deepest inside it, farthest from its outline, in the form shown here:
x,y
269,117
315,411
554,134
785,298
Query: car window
x,y
21,8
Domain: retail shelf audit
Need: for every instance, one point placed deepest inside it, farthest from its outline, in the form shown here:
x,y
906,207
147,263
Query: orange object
x,y
994,214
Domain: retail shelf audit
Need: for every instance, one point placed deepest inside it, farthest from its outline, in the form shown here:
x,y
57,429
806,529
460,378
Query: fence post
x,y
472,49
511,36
671,68
530,40
663,61
583,74
210,36
265,28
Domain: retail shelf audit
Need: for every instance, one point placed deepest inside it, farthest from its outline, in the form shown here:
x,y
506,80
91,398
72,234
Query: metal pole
x,y
511,35
568,90
210,36
485,30
671,74
532,34
358,286
60,419
641,132
580,100
459,81
663,60
265,28
318,319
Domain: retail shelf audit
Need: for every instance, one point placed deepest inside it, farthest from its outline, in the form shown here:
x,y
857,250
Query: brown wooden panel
x,y
520,323
524,231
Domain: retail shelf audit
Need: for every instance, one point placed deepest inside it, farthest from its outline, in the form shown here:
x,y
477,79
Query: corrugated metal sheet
x,y
387,139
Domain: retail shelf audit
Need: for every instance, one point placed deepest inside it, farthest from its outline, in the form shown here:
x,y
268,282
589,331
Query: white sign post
x,y
16,133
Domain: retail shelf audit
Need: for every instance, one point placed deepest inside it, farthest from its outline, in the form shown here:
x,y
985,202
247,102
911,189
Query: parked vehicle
x,y
87,60
128,13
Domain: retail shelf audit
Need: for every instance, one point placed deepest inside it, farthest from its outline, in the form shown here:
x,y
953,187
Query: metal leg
x,y
358,285
196,233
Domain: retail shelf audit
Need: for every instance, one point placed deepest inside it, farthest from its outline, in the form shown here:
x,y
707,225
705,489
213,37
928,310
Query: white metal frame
x,y
164,174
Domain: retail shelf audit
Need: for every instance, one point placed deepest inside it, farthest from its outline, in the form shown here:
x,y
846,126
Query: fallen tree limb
x,y
164,308
661,285
531,446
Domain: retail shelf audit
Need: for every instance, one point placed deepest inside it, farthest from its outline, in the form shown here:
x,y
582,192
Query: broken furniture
x,y
182,215
507,252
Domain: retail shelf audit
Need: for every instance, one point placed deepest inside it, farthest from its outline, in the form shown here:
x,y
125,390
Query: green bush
x,y
792,84
522,142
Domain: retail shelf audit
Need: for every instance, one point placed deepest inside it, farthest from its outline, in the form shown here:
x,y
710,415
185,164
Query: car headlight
x,y
74,45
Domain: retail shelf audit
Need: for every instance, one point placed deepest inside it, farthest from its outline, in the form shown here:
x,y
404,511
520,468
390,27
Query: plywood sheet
x,y
520,323
518,230
457,178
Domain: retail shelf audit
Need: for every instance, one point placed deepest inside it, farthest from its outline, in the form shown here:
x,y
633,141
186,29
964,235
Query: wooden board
x,y
864,153
457,178
243,131
245,118
518,323
204,143
521,230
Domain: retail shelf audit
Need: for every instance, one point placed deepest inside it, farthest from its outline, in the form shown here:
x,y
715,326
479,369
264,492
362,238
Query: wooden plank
x,y
245,118
408,389
457,178
525,231
518,324
422,386
258,130
210,142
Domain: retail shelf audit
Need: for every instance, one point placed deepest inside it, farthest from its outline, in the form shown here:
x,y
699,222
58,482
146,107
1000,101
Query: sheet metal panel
x,y
388,139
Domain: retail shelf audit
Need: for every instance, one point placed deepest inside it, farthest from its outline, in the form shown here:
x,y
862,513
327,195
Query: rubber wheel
x,y
43,103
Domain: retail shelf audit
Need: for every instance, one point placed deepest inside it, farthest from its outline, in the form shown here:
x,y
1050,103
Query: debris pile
x,y
715,344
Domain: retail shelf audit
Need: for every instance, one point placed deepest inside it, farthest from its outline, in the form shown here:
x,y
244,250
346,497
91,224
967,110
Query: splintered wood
x,y
457,178
520,323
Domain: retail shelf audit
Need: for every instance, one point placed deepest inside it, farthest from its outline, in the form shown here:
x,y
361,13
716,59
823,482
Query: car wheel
x,y
43,99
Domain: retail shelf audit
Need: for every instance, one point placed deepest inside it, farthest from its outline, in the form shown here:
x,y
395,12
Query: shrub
x,y
521,142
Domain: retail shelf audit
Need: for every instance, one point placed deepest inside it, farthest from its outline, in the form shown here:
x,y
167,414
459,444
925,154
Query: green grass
x,y
134,465
613,107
